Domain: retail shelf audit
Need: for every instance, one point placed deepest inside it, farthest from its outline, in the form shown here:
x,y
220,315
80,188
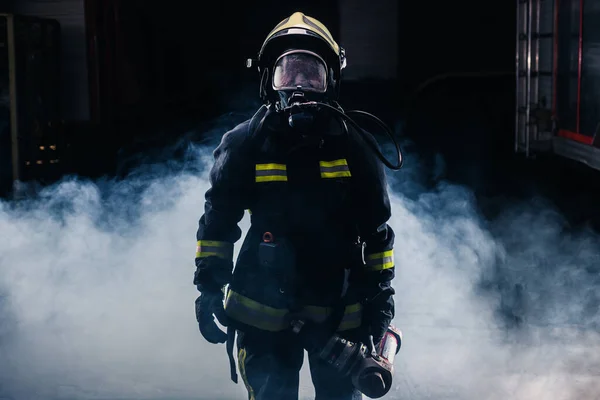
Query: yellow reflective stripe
x,y
380,261
339,174
211,243
347,325
334,163
335,169
242,366
255,305
253,313
271,172
202,254
351,308
206,248
261,316
352,317
266,167
380,266
271,178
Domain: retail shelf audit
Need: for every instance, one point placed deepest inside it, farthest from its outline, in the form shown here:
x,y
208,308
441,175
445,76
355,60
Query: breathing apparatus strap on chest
x,y
230,344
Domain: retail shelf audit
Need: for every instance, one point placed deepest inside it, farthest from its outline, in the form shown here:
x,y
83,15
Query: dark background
x,y
157,71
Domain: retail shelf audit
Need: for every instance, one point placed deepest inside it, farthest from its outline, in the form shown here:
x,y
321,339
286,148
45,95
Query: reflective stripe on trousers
x,y
242,367
261,316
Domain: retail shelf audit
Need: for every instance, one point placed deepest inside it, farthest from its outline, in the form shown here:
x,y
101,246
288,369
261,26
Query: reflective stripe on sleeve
x,y
271,173
335,169
205,248
380,261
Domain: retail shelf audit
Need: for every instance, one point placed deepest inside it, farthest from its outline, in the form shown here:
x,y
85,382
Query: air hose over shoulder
x,y
256,125
361,131
387,130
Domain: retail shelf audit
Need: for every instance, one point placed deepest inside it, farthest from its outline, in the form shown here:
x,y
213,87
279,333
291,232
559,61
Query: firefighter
x,y
319,239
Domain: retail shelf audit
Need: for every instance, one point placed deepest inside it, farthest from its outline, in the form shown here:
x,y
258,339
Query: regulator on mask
x,y
371,371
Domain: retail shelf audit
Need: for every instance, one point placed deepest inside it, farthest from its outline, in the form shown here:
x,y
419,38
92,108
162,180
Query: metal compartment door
x,y
568,70
589,108
534,75
578,81
7,170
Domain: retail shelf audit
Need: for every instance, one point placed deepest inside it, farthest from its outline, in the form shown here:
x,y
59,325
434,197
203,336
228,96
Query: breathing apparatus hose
x,y
346,117
387,130
370,143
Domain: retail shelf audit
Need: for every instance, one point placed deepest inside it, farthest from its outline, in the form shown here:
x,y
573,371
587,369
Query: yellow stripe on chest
x,y
335,169
271,172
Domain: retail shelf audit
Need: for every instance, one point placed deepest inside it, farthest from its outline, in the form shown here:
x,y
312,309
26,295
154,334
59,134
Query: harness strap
x,y
230,342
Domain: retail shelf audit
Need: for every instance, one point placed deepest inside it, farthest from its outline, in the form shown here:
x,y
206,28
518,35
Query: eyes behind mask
x,y
300,69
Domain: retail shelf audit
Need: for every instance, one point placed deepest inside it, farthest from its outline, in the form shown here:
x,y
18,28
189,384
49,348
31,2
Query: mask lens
x,y
300,69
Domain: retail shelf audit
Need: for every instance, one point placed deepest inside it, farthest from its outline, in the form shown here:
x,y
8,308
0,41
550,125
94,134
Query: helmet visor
x,y
300,69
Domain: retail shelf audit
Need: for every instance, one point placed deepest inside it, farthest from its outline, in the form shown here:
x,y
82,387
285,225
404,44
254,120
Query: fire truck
x,y
558,79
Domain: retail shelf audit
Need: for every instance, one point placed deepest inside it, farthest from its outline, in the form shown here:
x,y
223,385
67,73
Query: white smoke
x,y
96,299
456,345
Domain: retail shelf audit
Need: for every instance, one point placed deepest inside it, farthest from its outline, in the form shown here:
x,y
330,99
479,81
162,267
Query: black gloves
x,y
209,305
378,313
212,274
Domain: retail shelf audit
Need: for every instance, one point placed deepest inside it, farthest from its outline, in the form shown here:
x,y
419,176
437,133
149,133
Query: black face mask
x,y
301,117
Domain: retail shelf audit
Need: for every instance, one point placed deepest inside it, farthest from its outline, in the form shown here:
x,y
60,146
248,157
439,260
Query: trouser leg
x,y
328,383
270,368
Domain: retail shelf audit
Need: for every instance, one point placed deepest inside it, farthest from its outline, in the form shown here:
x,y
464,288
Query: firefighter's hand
x,y
378,313
209,305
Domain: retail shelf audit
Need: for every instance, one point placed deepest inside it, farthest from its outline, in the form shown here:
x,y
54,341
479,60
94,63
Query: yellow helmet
x,y
300,31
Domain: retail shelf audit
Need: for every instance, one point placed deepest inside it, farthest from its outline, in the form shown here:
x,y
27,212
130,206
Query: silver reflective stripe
x,y
212,249
336,168
271,172
268,172
380,261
